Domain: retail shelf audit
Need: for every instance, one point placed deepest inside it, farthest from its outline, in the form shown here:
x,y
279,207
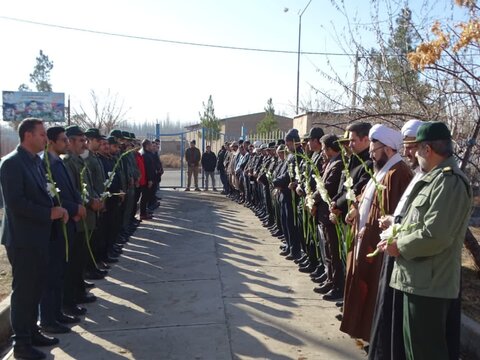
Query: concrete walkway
x,y
203,280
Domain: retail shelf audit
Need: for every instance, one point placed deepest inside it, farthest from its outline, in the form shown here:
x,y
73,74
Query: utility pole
x,y
355,80
298,53
68,111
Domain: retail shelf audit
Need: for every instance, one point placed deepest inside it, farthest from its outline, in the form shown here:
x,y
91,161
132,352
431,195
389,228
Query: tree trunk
x,y
472,245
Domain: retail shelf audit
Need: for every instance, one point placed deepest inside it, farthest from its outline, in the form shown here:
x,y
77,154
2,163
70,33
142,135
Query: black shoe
x,y
55,328
305,262
323,289
292,257
27,352
74,310
110,260
318,272
320,279
68,319
197,189
103,266
94,275
88,284
339,304
302,259
307,269
39,339
284,252
333,295
339,317
86,299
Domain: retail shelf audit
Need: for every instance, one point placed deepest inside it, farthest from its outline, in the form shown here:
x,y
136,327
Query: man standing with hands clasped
x,y
428,250
192,157
26,230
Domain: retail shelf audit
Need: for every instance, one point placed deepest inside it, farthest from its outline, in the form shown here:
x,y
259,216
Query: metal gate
x,y
172,154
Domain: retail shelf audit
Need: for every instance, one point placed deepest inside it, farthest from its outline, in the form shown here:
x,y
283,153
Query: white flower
x,y
321,189
348,182
105,195
351,195
298,175
390,233
309,201
290,169
52,190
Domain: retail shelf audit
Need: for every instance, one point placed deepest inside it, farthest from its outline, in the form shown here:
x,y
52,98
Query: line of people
x,y
380,233
70,200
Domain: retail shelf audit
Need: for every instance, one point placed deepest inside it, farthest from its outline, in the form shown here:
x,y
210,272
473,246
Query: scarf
x,y
368,195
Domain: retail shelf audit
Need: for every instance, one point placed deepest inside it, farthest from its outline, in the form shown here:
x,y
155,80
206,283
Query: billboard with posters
x,y
18,105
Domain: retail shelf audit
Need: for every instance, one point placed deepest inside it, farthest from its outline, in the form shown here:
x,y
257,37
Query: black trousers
x,y
74,286
335,272
51,302
147,197
29,268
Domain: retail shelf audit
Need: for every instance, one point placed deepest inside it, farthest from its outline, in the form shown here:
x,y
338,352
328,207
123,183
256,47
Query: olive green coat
x,y
435,222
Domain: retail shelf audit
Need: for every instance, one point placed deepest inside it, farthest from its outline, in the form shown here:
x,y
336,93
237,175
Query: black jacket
x,y
209,161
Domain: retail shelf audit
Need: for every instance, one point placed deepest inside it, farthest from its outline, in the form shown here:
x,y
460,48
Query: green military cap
x,y
73,130
93,133
112,141
126,135
271,145
431,131
132,136
116,133
263,147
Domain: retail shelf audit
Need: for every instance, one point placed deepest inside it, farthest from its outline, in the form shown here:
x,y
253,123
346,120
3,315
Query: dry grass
x,y
171,161
470,283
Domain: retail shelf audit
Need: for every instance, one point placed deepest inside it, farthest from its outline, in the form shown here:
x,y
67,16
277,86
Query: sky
x,y
156,80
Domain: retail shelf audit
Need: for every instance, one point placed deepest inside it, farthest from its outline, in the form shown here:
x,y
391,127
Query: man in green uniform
x,y
428,250
74,290
133,175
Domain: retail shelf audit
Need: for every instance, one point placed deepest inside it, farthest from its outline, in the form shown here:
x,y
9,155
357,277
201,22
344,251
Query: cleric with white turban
x,y
409,129
387,136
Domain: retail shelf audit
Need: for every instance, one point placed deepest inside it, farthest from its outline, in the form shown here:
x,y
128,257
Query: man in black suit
x,y
51,316
26,230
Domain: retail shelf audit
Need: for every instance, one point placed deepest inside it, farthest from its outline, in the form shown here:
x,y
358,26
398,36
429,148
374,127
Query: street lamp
x,y
298,52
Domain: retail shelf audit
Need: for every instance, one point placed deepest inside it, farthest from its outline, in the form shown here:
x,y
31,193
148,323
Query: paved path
x,y
203,280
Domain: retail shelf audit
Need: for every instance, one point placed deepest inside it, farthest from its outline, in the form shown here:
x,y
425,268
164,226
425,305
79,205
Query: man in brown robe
x,y
393,175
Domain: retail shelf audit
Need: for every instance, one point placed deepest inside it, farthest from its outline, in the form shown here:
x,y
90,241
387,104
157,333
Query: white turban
x,y
387,136
409,129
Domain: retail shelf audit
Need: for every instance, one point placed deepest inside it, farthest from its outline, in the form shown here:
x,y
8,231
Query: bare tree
x,y
415,72
104,113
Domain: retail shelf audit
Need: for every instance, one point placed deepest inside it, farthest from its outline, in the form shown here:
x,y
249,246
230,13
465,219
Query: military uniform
x,y
429,266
